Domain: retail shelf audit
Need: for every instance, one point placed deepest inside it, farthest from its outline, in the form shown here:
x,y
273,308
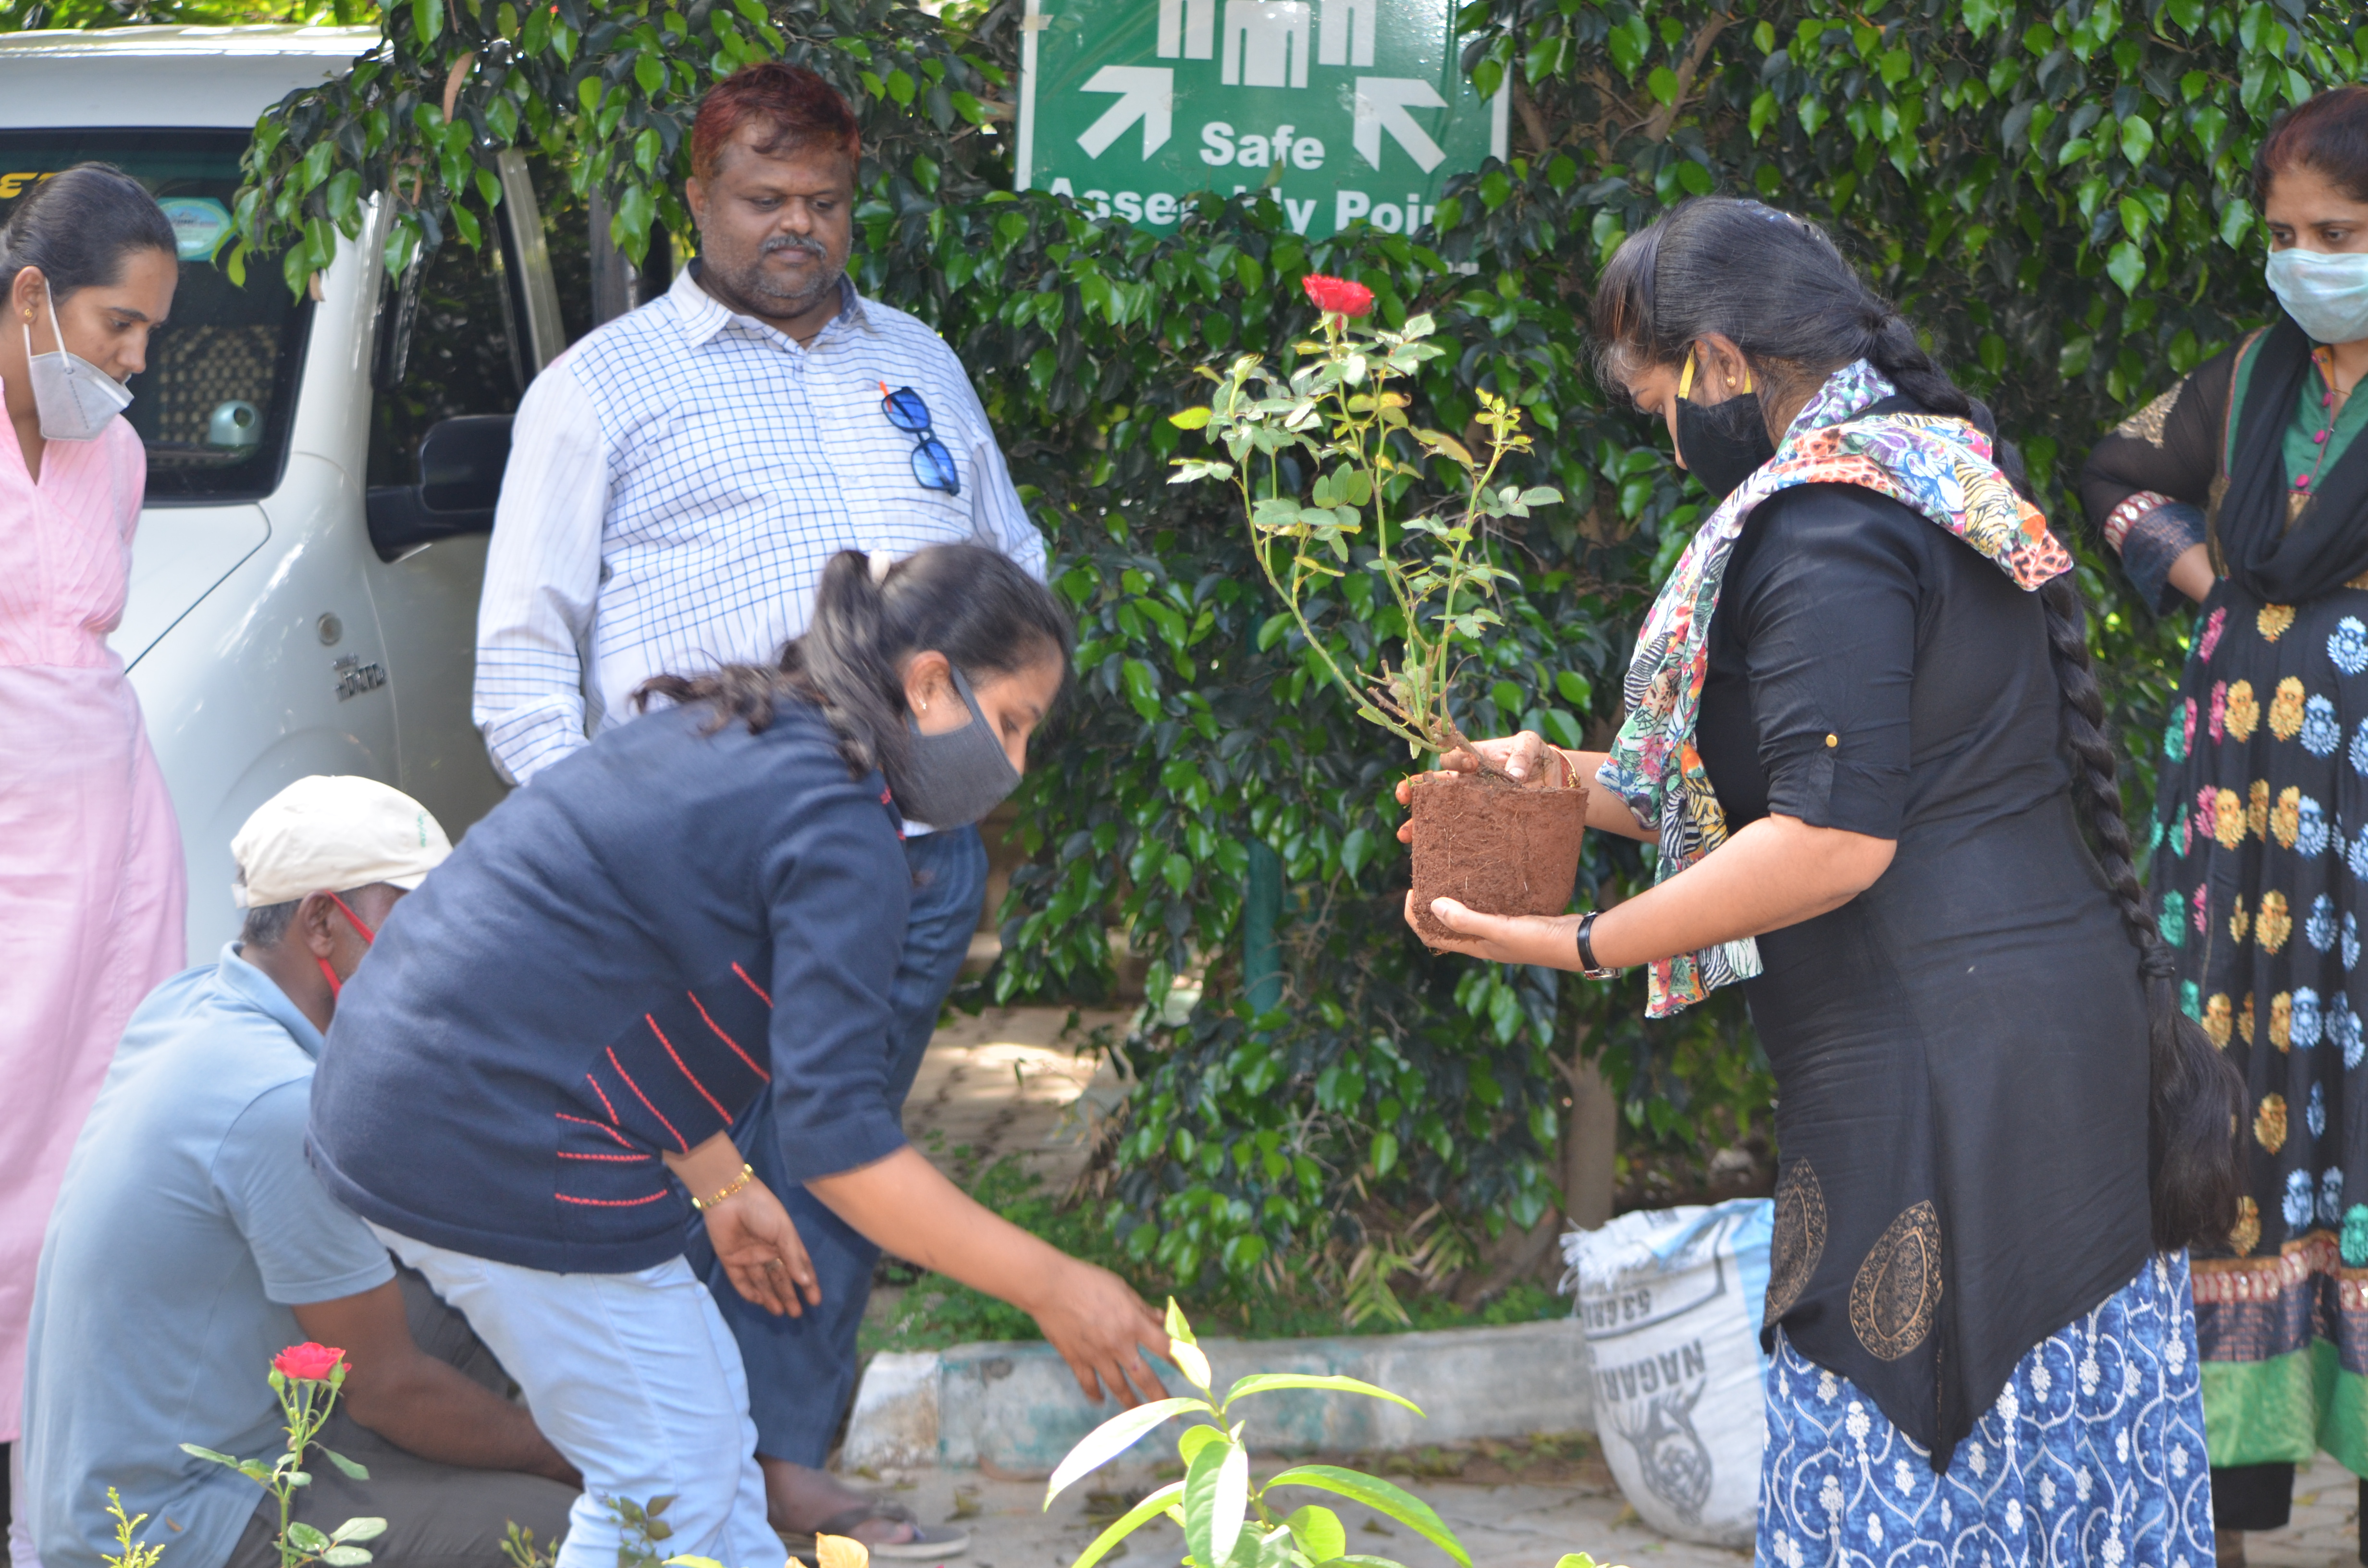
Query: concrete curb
x,y
1014,1410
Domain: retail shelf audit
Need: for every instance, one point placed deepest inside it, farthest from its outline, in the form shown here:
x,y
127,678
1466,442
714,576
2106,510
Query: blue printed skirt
x,y
2092,1455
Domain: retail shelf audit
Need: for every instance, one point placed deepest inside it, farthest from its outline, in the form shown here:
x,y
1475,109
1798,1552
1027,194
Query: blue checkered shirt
x,y
678,481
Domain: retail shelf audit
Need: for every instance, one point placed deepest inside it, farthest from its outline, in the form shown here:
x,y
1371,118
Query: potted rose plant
x,y
1341,419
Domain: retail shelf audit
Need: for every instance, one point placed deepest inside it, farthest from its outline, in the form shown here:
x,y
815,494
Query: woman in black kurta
x,y
1978,1345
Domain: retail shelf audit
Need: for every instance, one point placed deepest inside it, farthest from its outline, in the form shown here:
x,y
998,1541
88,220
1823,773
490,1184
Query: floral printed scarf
x,y
1941,467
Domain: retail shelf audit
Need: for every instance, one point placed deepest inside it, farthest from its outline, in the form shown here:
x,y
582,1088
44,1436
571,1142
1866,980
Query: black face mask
x,y
1722,443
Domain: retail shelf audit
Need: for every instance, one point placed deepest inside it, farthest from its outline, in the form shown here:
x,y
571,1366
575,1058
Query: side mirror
x,y
461,464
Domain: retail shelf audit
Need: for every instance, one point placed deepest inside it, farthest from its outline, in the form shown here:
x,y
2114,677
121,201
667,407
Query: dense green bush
x,y
2055,192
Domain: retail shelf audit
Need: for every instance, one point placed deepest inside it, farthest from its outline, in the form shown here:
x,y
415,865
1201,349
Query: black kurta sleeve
x,y
1829,608
2147,483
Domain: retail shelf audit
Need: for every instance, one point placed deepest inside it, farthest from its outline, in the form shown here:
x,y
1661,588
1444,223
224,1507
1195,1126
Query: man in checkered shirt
x,y
677,482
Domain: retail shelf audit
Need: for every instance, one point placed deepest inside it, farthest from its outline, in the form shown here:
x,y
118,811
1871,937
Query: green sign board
x,y
1339,109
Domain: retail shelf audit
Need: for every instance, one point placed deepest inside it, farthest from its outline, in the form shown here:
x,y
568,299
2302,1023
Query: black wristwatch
x,y
1586,964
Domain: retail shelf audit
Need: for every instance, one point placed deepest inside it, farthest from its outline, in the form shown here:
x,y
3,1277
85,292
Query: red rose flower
x,y
1338,295
308,1361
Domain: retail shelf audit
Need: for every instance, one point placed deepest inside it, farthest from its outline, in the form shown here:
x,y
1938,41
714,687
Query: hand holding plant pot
x,y
1499,844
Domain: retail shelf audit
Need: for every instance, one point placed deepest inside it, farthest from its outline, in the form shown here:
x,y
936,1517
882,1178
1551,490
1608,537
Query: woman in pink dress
x,y
91,881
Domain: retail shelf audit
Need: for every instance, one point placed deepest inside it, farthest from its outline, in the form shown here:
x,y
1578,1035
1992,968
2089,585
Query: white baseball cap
x,y
336,832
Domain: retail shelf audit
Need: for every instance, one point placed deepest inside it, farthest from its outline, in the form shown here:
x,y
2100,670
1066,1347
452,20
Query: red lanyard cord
x,y
368,937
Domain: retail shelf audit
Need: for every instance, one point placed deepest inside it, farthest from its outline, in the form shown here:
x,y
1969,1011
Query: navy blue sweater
x,y
616,961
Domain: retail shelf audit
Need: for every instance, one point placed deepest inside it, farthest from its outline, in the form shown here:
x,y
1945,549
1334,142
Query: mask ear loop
x,y
1686,377
368,937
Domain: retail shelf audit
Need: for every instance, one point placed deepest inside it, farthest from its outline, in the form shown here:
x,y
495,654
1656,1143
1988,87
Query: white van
x,y
321,471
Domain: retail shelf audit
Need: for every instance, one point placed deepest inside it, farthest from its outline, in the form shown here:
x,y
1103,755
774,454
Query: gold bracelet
x,y
743,1179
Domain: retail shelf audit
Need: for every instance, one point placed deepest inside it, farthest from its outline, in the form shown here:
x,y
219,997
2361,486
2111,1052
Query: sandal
x,y
928,1540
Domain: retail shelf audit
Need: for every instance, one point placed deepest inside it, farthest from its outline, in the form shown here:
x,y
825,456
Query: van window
x,y
214,404
446,350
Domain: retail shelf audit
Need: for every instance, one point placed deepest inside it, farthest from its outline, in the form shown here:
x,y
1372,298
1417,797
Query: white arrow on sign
x,y
1381,105
1145,93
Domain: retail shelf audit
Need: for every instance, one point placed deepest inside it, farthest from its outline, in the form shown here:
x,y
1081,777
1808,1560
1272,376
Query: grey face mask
x,y
74,398
953,779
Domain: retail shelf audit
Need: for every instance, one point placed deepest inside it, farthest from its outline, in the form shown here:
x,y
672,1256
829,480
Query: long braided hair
x,y
1779,289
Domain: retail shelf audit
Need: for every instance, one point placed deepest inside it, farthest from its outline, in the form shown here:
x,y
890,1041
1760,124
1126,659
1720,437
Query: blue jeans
x,y
801,1369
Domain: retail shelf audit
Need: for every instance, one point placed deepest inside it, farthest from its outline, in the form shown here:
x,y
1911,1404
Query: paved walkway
x,y
1018,1080
2324,1530
1502,1525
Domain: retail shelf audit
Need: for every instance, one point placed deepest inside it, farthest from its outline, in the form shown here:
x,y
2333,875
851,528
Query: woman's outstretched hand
x,y
1100,1327
1548,939
758,1244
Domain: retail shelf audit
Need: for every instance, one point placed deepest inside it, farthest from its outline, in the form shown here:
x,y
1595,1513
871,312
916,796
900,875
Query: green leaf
x,y
1126,1524
1356,847
1216,1496
1184,418
1267,1382
1380,1496
1628,41
1663,84
345,1556
1317,1528
1385,1144
307,1537
2126,267
352,1472
2137,140
1575,688
1194,1438
364,1529
1178,1327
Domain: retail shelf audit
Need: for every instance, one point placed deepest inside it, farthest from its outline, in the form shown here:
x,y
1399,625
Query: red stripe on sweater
x,y
680,1066
587,1121
752,985
728,1039
603,1094
645,1099
612,1202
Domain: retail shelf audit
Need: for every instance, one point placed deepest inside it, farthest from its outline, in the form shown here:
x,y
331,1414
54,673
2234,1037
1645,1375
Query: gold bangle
x,y
743,1179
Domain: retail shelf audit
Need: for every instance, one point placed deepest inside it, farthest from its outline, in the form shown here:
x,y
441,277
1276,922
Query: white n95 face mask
x,y
2326,293
74,397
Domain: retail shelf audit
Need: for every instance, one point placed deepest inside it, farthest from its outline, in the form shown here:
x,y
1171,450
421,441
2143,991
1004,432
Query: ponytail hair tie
x,y
881,561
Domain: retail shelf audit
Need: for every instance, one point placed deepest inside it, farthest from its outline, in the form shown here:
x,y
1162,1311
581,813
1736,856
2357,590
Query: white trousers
x,y
636,1379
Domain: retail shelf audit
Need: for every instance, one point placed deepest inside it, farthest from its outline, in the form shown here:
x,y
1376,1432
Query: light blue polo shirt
x,y
189,1223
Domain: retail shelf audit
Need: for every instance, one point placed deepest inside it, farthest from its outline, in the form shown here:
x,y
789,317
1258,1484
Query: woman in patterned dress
x,y
2244,488
1866,735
